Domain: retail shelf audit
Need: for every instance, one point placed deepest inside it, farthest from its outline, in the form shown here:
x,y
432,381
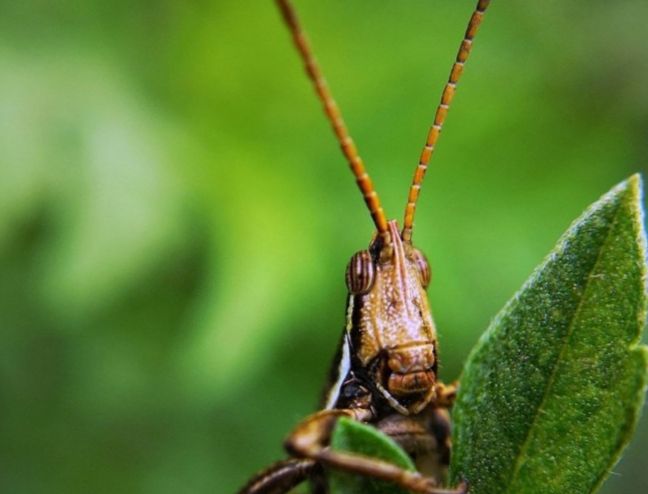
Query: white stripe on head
x,y
345,361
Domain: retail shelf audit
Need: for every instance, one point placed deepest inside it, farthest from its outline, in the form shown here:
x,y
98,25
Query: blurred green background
x,y
175,216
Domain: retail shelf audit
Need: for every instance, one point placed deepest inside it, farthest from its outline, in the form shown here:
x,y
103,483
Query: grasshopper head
x,y
392,331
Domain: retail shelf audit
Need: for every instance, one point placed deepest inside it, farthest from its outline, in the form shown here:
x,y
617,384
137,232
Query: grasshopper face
x,y
391,332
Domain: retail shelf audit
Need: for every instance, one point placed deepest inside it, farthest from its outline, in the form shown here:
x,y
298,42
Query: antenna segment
x,y
440,116
334,116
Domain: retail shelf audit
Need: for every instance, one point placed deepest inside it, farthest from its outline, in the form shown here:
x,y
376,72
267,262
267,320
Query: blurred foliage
x,y
175,216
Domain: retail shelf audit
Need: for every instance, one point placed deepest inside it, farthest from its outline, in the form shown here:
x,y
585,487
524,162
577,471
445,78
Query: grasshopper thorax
x,y
391,329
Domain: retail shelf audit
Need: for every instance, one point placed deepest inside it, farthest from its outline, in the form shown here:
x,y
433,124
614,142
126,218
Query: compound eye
x,y
360,273
423,267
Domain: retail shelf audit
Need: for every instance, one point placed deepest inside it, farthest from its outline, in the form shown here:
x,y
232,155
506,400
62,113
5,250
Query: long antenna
x,y
334,116
440,116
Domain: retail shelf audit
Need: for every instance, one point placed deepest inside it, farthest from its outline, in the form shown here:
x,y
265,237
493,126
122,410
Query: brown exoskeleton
x,y
386,369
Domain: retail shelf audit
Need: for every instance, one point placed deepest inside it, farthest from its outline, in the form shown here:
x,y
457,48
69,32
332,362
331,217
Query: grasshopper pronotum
x,y
386,369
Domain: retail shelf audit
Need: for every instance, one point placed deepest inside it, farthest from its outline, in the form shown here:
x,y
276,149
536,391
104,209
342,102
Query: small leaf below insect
x,y
350,435
552,392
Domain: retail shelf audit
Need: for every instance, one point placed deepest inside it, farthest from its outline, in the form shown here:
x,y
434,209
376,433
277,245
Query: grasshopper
x,y
385,372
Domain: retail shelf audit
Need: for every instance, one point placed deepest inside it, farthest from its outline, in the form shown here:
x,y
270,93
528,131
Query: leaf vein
x,y
568,334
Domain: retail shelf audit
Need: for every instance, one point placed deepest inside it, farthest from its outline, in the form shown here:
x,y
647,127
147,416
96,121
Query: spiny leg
x,y
280,477
311,438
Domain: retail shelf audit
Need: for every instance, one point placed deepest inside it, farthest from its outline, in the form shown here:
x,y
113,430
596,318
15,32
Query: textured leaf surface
x,y
350,435
552,392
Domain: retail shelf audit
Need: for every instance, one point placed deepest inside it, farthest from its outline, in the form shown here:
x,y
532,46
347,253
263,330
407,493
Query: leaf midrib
x,y
552,377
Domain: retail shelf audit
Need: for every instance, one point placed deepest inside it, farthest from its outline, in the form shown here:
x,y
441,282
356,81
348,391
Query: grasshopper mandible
x,y
385,372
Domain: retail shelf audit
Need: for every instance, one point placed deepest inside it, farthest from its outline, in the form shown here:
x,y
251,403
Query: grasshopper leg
x,y
446,394
280,477
311,437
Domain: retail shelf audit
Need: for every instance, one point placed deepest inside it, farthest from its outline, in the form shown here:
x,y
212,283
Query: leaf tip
x,y
635,186
635,180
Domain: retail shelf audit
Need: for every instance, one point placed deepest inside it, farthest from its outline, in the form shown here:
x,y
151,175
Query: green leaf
x,y
552,392
350,435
